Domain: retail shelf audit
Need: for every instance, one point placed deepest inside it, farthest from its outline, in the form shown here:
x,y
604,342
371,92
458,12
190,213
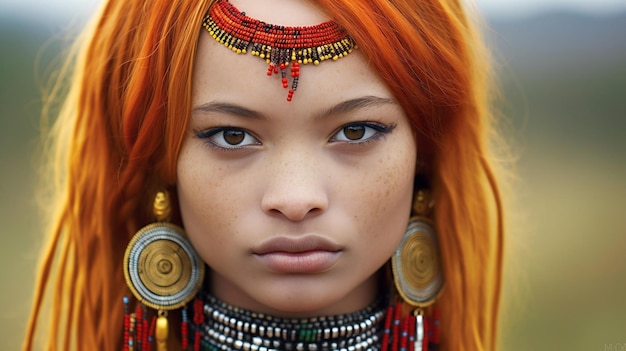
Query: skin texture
x,y
295,219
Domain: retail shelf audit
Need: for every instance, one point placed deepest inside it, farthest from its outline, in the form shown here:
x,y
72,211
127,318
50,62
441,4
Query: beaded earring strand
x,y
279,46
410,333
139,328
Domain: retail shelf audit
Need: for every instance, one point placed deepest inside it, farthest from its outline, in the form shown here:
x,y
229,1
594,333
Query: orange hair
x,y
431,58
123,121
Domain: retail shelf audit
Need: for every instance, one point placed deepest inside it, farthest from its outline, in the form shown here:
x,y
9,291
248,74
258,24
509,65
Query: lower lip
x,y
299,262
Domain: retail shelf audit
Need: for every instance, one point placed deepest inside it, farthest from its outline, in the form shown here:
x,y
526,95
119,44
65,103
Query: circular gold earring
x,y
161,267
416,263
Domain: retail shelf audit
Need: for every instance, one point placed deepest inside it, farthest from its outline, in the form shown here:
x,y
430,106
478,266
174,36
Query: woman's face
x,y
293,205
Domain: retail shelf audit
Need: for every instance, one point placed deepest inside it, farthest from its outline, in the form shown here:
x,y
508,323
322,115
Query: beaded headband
x,y
280,46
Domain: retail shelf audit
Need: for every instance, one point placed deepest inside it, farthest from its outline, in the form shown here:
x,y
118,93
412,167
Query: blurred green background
x,y
563,78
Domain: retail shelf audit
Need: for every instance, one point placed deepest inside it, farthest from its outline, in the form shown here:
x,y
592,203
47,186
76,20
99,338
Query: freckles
x,y
387,189
195,179
189,171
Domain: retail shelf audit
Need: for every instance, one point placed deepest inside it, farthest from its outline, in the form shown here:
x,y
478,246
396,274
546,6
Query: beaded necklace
x,y
209,324
228,328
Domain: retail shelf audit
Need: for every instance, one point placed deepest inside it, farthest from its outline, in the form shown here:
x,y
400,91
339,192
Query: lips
x,y
302,254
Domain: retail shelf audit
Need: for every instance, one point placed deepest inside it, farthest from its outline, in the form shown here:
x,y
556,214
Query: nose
x,y
296,189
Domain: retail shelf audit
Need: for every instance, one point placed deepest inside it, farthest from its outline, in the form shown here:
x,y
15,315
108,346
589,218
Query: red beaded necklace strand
x,y
280,46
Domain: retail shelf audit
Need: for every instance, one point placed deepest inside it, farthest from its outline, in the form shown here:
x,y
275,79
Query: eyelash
x,y
209,134
379,131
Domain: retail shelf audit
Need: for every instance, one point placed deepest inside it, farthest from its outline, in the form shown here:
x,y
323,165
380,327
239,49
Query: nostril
x,y
295,207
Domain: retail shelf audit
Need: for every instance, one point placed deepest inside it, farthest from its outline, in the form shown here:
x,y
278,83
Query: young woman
x,y
309,164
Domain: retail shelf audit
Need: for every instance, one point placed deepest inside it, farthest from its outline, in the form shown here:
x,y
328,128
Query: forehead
x,y
221,74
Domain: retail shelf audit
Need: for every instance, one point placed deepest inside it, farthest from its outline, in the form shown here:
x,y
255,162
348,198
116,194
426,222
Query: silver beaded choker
x,y
229,328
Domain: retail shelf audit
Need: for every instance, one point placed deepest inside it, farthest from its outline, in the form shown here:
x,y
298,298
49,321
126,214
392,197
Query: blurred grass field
x,y
566,259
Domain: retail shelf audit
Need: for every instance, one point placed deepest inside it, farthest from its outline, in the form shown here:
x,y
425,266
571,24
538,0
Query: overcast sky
x,y
77,8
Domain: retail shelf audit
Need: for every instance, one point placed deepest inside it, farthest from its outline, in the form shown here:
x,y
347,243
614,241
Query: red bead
x,y
145,334
388,318
198,316
404,338
139,332
151,331
196,343
185,333
396,327
295,72
126,331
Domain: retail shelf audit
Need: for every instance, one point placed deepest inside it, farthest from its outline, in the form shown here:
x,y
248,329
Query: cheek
x,y
391,186
193,180
387,192
198,198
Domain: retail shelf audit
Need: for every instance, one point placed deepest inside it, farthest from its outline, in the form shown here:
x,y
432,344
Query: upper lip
x,y
296,244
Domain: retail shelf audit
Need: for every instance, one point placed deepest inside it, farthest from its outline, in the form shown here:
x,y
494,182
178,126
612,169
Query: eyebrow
x,y
340,108
227,108
355,104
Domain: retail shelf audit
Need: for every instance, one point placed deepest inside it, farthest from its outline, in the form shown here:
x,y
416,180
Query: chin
x,y
308,299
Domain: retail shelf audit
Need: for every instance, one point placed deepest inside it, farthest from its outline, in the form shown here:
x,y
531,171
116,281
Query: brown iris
x,y
355,132
234,137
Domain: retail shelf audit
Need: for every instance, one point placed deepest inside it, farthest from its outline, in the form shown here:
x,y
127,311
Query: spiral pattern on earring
x,y
416,268
161,267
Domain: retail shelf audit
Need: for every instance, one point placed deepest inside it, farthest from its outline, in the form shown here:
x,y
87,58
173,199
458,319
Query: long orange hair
x,y
121,126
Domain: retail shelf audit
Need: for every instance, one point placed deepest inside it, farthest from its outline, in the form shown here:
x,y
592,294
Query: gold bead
x,y
162,331
161,206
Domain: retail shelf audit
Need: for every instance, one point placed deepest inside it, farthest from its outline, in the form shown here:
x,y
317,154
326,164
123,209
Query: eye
x,y
361,132
227,137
